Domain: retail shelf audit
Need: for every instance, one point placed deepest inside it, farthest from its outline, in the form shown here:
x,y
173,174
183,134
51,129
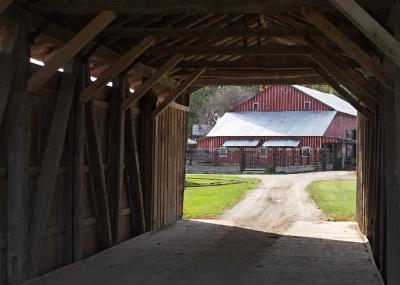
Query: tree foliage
x,y
211,102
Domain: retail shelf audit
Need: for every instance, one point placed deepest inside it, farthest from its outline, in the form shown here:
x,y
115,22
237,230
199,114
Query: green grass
x,y
208,196
336,198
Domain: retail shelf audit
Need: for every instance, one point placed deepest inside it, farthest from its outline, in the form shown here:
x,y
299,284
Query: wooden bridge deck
x,y
195,252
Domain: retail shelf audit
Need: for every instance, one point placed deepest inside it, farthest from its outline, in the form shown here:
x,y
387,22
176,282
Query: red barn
x,y
287,128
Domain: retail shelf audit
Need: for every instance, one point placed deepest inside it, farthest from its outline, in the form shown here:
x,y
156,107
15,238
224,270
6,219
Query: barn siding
x,y
340,124
281,98
313,142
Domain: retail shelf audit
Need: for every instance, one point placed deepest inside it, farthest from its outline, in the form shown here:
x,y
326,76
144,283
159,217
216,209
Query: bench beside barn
x,y
285,128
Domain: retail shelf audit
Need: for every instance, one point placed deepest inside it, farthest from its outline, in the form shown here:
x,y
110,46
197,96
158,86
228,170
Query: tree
x,y
211,102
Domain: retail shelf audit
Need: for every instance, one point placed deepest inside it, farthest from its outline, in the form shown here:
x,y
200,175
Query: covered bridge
x,y
84,166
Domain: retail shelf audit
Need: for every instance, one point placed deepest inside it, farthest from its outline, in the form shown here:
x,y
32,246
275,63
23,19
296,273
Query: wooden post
x,y
78,160
147,154
117,128
49,168
134,176
98,174
18,156
8,64
392,168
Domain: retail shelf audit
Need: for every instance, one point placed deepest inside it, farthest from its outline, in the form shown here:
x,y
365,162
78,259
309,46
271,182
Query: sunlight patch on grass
x,y
336,198
213,194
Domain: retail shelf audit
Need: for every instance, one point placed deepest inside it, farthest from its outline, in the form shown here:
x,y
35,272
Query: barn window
x,y
223,151
307,105
263,151
255,106
305,151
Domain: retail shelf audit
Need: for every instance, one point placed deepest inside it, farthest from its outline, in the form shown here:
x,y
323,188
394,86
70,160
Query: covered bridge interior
x,y
85,165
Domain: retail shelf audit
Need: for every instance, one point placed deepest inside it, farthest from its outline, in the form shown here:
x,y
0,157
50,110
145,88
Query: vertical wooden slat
x,y
18,152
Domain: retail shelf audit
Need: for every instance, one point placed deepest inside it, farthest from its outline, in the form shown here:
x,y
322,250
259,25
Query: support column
x,y
148,104
18,155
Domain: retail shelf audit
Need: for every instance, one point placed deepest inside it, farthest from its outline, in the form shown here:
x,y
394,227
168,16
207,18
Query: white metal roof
x,y
281,143
237,143
256,124
331,100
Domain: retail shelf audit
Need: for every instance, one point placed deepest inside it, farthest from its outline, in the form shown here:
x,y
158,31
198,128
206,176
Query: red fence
x,y
254,158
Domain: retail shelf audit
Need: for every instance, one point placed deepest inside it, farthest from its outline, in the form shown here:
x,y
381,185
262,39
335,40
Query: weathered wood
x,y
208,32
64,54
345,94
7,61
249,81
78,161
134,175
43,197
116,143
98,175
347,76
176,93
345,43
151,7
18,161
146,155
229,50
370,27
4,4
140,70
148,84
120,65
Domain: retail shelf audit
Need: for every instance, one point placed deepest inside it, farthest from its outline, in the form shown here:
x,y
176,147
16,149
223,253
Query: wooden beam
x,y
370,27
120,65
252,63
249,81
97,171
217,33
44,194
347,76
343,92
18,137
148,84
230,50
151,7
271,74
176,93
64,54
4,4
139,71
345,43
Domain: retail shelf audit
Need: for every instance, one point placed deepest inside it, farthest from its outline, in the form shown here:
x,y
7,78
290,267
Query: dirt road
x,y
280,201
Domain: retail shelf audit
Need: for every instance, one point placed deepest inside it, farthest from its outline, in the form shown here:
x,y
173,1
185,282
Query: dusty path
x,y
280,201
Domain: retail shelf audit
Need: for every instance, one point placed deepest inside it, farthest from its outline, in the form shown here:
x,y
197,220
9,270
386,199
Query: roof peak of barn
x,y
329,99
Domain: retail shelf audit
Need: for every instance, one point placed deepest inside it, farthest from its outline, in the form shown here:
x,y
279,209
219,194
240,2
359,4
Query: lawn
x,y
208,196
336,198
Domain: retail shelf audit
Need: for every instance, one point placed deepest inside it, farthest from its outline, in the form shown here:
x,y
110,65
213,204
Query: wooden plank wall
x,y
169,169
75,227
